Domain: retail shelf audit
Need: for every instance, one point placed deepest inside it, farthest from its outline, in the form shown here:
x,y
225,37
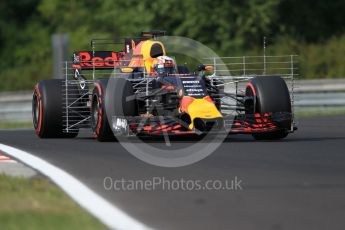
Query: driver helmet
x,y
164,65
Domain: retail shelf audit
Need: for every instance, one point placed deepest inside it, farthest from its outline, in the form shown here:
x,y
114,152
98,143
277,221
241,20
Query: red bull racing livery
x,y
141,90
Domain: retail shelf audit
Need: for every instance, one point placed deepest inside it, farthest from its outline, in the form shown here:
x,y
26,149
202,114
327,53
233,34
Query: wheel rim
x,y
36,110
250,107
95,109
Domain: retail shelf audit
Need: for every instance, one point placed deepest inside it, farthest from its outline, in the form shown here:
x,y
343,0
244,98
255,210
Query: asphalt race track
x,y
296,183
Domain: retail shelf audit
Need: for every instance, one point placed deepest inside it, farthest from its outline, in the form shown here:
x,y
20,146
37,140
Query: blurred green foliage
x,y
313,29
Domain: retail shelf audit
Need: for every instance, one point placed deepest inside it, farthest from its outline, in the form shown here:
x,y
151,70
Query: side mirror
x,y
126,70
205,68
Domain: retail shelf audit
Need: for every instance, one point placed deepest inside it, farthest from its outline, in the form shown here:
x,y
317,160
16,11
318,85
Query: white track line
x,y
108,214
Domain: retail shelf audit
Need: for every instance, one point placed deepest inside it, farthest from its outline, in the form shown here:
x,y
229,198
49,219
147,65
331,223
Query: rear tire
x,y
270,95
47,110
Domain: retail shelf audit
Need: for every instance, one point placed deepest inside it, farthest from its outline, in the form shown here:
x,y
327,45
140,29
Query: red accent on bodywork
x,y
147,128
76,66
137,49
183,132
177,126
209,99
160,128
185,102
168,87
102,59
262,123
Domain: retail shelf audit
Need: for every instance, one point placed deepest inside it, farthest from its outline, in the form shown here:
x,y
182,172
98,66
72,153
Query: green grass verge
x,y
14,125
321,112
38,204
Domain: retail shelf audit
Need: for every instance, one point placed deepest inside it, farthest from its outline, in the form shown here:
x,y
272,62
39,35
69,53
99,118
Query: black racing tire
x,y
99,120
47,109
120,99
270,94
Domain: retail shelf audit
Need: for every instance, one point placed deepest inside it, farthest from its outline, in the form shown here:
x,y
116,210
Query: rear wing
x,y
90,60
93,60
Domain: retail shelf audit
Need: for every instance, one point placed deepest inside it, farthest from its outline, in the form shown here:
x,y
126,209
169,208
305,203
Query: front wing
x,y
237,124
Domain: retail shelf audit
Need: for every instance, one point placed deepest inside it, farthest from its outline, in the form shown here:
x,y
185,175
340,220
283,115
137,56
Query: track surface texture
x,y
296,183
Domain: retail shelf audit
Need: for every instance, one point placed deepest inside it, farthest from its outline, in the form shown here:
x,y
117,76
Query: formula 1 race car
x,y
141,91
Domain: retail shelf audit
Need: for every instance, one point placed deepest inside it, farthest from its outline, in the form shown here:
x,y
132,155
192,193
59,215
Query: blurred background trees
x,y
315,30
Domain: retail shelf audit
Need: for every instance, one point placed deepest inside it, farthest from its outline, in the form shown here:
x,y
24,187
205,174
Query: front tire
x,y
121,99
270,95
121,102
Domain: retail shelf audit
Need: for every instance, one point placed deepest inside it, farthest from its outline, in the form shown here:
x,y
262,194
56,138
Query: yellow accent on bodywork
x,y
201,108
146,52
126,70
142,55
